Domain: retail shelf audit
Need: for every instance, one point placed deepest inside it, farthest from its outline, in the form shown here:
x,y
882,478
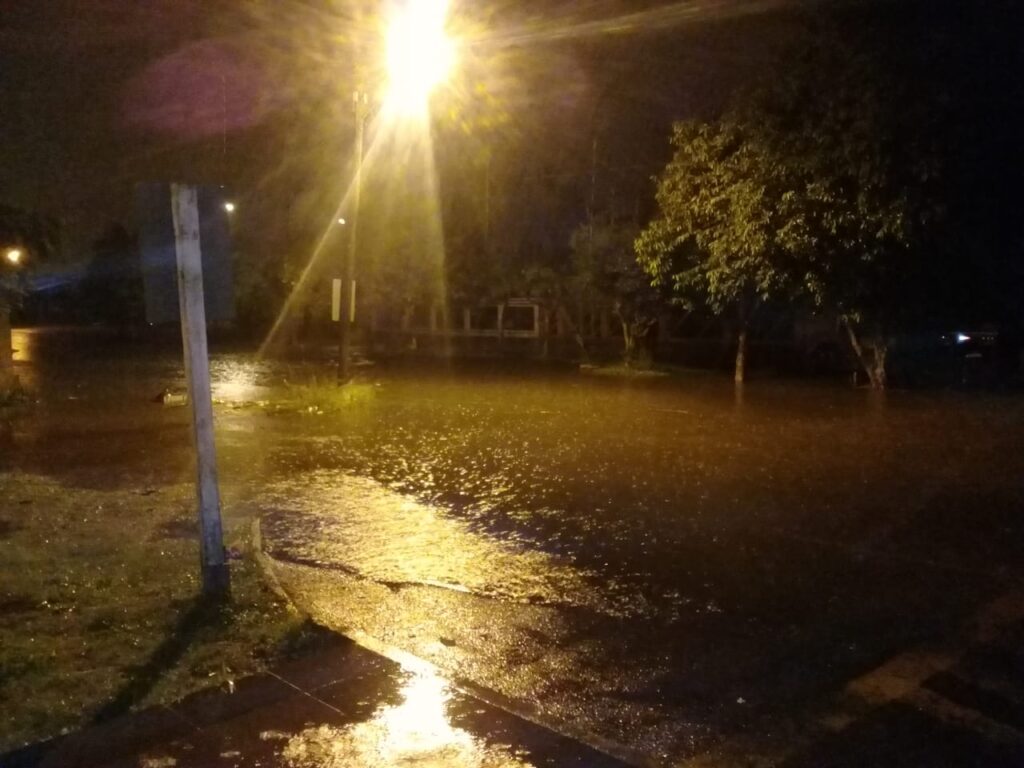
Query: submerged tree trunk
x,y
872,361
629,344
741,355
879,378
636,336
545,332
575,330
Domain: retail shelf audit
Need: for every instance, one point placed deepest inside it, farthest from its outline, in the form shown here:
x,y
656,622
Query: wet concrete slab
x,y
343,706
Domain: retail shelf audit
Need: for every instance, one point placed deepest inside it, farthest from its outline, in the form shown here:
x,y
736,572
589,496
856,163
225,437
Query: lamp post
x,y
419,57
361,107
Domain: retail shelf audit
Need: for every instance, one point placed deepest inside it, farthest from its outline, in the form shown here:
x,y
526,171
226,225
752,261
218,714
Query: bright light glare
x,y
341,222
962,337
420,55
14,256
229,207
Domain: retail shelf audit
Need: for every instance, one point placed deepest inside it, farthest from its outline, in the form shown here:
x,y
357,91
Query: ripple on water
x,y
334,520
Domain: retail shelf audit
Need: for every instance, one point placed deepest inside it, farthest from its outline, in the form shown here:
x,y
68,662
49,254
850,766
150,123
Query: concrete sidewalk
x,y
344,706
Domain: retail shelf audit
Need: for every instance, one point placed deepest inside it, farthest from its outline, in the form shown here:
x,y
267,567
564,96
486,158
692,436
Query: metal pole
x,y
185,209
360,103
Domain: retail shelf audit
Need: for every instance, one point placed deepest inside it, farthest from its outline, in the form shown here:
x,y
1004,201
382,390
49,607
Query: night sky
x,y
100,94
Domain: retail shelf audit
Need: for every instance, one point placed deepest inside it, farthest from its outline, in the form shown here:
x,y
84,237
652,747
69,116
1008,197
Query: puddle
x,y
416,732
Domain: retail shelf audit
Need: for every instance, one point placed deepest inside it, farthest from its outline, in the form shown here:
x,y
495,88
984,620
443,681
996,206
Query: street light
x,y
229,207
420,54
14,256
361,106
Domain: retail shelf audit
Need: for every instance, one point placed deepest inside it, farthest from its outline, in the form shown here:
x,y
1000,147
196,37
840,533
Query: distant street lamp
x,y
420,56
229,207
12,256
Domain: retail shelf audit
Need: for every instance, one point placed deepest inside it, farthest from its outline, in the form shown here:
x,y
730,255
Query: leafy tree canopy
x,y
825,183
716,239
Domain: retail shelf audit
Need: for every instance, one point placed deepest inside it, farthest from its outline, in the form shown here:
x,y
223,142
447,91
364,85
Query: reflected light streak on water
x,y
354,524
237,382
416,732
23,342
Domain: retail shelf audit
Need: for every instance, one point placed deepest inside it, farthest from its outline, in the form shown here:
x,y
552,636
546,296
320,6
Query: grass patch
x,y
99,611
319,397
653,372
623,370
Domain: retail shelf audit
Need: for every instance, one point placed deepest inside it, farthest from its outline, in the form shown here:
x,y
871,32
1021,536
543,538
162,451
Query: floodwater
x,y
664,563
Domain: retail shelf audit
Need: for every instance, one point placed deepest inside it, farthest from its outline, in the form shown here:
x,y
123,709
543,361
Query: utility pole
x,y
185,210
361,107
487,203
591,205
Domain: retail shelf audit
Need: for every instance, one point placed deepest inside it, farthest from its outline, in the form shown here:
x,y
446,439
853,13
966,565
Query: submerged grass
x,y
622,370
324,396
99,608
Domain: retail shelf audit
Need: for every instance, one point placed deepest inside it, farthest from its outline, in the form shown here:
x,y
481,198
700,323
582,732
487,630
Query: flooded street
x,y
663,565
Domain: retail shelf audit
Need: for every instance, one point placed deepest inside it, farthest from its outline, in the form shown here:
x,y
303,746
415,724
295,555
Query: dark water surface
x,y
760,547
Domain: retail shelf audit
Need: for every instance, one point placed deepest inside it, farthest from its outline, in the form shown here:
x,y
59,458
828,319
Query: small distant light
x,y
14,255
229,207
341,221
962,337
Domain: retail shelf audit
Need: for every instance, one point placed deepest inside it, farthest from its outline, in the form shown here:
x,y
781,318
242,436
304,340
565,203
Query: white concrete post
x,y
185,208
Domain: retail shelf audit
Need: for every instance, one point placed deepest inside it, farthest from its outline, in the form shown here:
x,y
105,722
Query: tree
x,y
604,262
828,183
900,127
716,238
852,137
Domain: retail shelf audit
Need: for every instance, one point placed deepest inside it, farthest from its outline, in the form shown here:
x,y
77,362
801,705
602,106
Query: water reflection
x,y
23,342
415,732
357,525
236,382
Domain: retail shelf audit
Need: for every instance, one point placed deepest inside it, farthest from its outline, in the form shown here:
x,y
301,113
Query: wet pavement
x,y
667,568
344,706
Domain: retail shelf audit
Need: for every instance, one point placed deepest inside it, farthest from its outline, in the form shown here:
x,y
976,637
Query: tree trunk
x,y
570,327
741,355
545,332
879,380
629,341
873,364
